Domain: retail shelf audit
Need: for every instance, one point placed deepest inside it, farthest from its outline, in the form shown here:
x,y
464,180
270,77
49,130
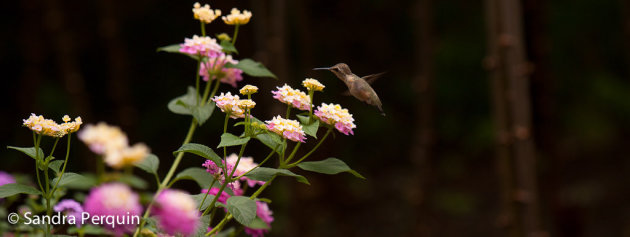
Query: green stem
x,y
263,187
208,192
36,141
63,170
295,148
100,169
235,34
260,164
288,111
206,91
197,78
215,89
228,179
203,28
311,94
169,175
219,226
314,148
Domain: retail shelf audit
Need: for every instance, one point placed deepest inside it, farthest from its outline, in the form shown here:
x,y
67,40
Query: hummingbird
x,y
359,87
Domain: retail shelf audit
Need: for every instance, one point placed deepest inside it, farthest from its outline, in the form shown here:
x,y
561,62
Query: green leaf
x,y
12,189
174,48
228,139
202,229
183,104
242,208
199,197
258,224
29,151
134,181
199,175
150,164
310,127
202,113
55,165
201,150
228,47
265,174
252,68
328,166
87,229
69,178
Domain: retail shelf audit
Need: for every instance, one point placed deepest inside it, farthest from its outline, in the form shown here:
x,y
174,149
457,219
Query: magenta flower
x,y
6,178
176,212
201,46
214,190
114,199
71,208
263,212
216,66
333,114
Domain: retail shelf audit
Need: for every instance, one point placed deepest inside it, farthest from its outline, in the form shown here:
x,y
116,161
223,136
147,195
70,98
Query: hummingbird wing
x,y
371,78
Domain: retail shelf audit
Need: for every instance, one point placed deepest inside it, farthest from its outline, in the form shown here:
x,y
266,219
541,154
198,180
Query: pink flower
x,y
114,199
333,114
216,66
228,104
293,97
214,190
202,46
263,212
289,129
176,212
71,208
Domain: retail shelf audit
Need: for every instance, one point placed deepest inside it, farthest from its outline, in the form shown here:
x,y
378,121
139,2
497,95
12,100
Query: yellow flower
x,y
205,14
313,85
127,156
246,104
248,90
48,127
237,18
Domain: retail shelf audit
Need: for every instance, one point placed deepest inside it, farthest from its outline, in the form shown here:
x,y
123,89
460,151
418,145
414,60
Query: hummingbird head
x,y
340,70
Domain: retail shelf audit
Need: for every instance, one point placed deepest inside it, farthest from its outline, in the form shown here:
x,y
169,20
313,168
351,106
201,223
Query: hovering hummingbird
x,y
359,87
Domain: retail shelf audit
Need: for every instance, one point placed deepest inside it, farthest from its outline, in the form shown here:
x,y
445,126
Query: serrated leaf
x,y
199,198
55,165
201,150
328,166
183,104
242,209
228,139
258,224
265,174
150,164
69,178
29,151
13,189
252,68
199,175
228,47
202,113
309,127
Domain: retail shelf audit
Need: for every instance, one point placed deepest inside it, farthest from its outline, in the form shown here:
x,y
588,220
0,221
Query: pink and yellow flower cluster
x,y
289,129
201,46
112,143
334,115
292,97
229,104
48,127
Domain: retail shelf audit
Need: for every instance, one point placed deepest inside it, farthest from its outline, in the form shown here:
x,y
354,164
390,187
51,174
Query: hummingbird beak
x,y
321,68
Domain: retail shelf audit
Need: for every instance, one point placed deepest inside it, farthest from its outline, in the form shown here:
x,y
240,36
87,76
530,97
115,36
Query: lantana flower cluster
x,y
49,127
215,67
228,104
204,46
245,165
237,18
205,14
288,128
112,143
334,115
293,97
114,199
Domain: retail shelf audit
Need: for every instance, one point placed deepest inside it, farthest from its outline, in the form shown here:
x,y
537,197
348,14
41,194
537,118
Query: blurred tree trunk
x,y
421,152
496,71
517,72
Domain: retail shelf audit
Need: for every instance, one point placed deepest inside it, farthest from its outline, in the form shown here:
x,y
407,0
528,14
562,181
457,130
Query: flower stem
x,y
208,192
36,140
203,28
295,148
314,148
260,164
63,170
197,78
167,178
288,111
235,34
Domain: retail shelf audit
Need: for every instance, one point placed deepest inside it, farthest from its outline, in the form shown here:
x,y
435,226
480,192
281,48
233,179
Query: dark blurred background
x,y
504,117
